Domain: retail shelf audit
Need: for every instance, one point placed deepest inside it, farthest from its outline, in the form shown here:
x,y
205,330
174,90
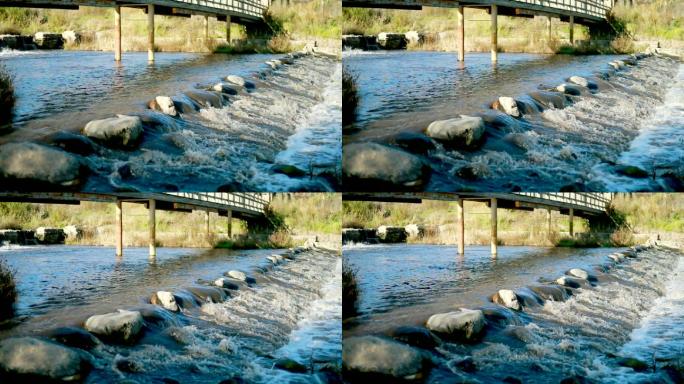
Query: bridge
x,y
586,205
243,206
244,12
585,12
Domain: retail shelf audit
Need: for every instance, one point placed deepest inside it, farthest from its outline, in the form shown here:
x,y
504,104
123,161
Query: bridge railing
x,y
585,199
250,201
254,8
596,8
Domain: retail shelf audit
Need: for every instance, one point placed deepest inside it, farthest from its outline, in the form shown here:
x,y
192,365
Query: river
x,y
292,311
292,117
635,119
634,310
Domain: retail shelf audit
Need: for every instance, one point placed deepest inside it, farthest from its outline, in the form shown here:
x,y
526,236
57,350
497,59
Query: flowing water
x,y
634,310
292,311
635,119
293,117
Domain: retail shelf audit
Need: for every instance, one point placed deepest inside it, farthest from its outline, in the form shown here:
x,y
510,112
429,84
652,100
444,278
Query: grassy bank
x,y
302,214
659,19
178,34
634,216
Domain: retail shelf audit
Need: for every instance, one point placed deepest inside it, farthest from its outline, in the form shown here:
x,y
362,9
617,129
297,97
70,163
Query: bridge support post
x,y
571,222
494,238
460,34
206,30
548,221
229,227
495,30
206,224
572,30
460,227
119,229
117,33
152,227
150,33
228,29
548,26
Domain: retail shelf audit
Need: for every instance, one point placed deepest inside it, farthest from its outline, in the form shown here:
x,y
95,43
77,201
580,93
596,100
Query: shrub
x,y
350,97
350,291
8,291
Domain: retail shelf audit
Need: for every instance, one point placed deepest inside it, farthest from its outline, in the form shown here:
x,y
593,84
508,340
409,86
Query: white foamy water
x,y
659,148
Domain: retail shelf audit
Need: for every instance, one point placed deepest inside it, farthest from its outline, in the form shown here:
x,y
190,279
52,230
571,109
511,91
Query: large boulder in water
x,y
208,294
569,89
463,325
119,327
580,274
31,163
461,132
383,166
239,81
388,234
120,131
583,82
553,100
163,104
46,235
165,299
240,276
571,282
507,298
380,356
507,105
28,359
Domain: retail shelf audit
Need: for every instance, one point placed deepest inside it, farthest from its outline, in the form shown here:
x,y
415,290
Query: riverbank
x,y
302,218
646,216
645,25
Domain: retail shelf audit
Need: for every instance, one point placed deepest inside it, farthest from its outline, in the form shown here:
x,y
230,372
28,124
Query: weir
x,y
249,207
244,12
592,13
586,205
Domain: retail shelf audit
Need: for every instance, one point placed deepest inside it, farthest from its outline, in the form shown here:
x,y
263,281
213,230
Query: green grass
x,y
657,19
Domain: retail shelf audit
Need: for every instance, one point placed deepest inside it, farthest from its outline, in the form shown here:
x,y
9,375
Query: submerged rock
x,y
554,100
633,363
120,131
462,132
550,292
507,298
73,143
375,355
29,359
120,327
581,274
289,170
499,316
569,89
163,104
239,81
225,88
507,105
74,337
205,98
571,282
467,365
39,164
416,336
413,142
165,299
631,171
463,325
225,283
384,166
208,294
291,365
